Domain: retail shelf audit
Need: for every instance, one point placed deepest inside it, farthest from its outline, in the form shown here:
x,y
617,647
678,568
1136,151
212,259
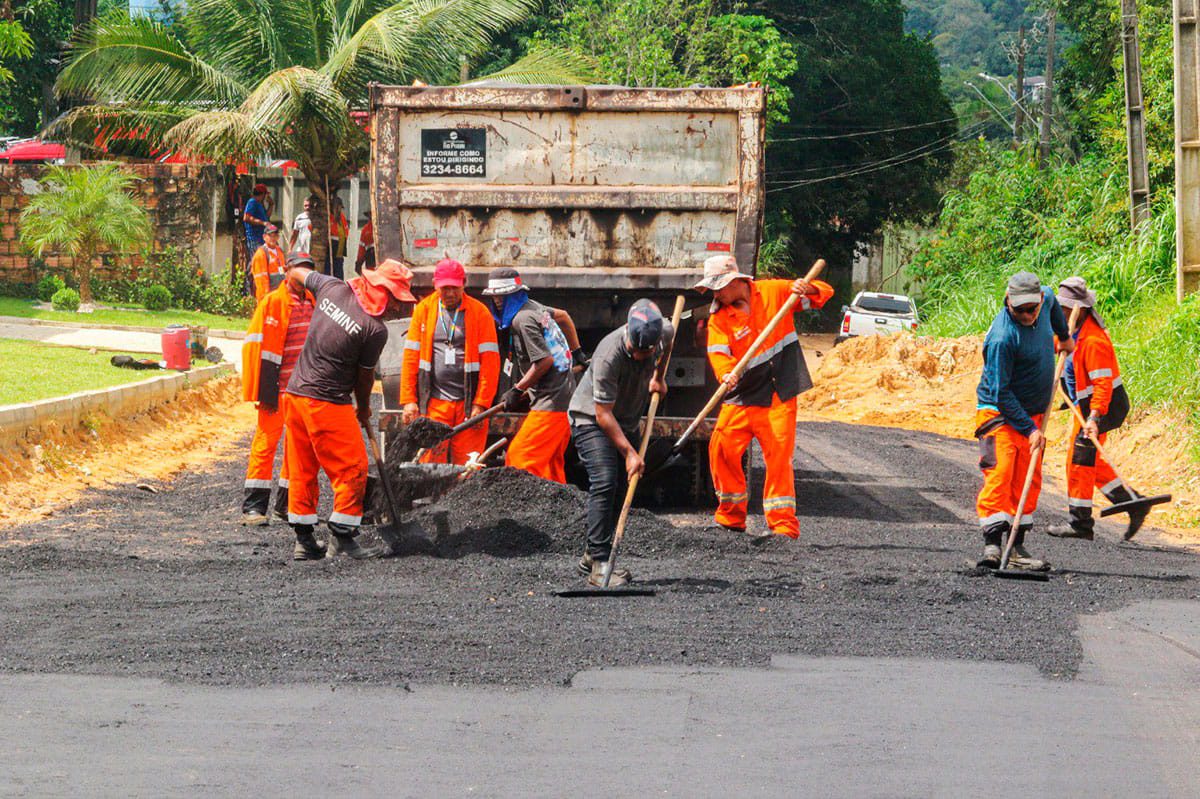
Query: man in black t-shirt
x,y
329,396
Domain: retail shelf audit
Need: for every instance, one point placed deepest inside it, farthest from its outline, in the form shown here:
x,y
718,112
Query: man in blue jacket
x,y
1013,392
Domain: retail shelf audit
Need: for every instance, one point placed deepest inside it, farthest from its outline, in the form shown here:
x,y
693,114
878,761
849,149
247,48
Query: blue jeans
x,y
606,477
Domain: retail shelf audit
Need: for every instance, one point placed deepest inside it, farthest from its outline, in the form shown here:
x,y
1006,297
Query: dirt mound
x,y
54,464
918,383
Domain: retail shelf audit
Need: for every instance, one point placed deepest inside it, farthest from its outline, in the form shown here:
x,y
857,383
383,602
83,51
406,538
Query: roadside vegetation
x,y
60,370
1072,218
131,315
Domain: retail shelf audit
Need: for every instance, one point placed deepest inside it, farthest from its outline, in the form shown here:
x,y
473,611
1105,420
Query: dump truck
x,y
598,195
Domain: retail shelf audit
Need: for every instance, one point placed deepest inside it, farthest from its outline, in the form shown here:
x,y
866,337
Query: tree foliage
x,y
236,80
27,103
83,211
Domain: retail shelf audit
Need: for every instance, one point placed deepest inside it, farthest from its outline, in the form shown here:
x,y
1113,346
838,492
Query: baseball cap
x,y
260,188
644,325
1074,293
449,272
504,280
269,228
1024,288
393,276
719,272
300,259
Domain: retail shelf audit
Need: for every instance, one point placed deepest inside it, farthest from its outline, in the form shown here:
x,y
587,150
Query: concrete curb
x,y
25,320
131,398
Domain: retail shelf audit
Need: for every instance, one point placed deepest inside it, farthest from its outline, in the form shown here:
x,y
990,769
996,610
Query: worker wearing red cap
x,y
451,363
761,405
269,355
256,216
329,396
267,267
538,362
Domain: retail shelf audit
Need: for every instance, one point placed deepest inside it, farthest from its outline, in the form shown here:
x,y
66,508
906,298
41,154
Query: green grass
x,y
131,316
31,371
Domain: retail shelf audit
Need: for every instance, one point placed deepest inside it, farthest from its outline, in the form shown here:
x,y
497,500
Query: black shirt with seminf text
x,y
342,339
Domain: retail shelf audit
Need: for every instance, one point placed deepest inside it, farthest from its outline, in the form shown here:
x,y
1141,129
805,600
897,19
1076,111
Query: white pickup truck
x,y
873,313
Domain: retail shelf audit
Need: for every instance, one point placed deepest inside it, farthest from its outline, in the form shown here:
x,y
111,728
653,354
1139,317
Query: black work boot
x,y
1082,526
307,547
343,543
281,504
254,506
993,536
1020,558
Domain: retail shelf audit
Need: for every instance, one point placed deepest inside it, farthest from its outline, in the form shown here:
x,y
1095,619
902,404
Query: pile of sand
x,y
917,383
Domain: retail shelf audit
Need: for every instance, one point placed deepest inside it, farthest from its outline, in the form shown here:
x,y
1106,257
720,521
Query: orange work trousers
x,y
1085,468
458,448
541,444
323,435
775,430
262,450
1004,460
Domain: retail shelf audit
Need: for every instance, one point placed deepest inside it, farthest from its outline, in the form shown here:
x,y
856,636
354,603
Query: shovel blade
x,y
1134,505
590,591
1021,574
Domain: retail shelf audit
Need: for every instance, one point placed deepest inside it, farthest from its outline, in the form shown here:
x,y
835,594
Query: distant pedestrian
x,y
339,234
256,217
366,246
267,267
1014,390
302,226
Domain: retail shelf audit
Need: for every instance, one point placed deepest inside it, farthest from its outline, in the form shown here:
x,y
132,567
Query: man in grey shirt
x,y
604,413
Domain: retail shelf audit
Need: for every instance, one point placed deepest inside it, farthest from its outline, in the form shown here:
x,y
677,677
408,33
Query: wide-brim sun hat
x,y
719,272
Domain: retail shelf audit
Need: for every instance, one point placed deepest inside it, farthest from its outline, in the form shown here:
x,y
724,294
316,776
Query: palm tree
x,y
82,211
236,80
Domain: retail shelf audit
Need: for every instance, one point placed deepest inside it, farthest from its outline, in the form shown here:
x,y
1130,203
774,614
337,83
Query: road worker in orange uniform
x,y
538,361
1013,392
761,405
451,364
1093,382
268,266
269,354
328,398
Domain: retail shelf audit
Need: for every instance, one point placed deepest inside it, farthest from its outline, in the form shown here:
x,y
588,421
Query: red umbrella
x,y
34,151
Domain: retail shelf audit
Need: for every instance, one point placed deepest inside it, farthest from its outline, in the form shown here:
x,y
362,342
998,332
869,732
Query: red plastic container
x,y
177,347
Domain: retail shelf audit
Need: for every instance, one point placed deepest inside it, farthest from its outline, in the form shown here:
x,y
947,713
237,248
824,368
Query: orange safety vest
x,y
481,353
262,349
775,370
267,261
1098,384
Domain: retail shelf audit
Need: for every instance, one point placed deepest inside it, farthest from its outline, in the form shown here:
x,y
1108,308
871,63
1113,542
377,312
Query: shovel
x,y
676,452
385,533
1139,506
1034,462
655,399
467,424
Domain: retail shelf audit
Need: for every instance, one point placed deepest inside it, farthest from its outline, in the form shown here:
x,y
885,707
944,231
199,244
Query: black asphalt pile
x,y
508,512
169,585
423,433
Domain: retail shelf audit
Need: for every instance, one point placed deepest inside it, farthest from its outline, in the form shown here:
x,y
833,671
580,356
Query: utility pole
x,y
1135,122
1019,116
1047,92
1187,147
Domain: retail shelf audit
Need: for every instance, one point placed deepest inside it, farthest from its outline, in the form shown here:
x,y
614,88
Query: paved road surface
x,y
867,661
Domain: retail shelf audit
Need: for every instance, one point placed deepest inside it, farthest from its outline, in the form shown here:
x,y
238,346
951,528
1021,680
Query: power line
x,y
856,134
915,154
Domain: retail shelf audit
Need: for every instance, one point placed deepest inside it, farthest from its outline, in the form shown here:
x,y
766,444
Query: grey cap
x,y
1024,288
644,326
1074,293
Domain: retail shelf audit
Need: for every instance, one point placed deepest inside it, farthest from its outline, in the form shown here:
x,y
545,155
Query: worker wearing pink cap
x,y
451,365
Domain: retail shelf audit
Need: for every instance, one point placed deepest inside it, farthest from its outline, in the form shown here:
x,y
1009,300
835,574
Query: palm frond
x,y
422,39
255,38
221,136
299,97
118,59
546,65
80,207
93,128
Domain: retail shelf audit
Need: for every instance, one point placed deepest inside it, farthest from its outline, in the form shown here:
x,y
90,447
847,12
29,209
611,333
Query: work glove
x,y
515,400
580,359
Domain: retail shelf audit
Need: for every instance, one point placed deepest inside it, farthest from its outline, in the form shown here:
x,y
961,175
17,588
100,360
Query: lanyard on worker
x,y
452,328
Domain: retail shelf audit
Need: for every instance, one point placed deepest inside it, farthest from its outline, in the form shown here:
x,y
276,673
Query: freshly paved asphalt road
x,y
1128,725
863,662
